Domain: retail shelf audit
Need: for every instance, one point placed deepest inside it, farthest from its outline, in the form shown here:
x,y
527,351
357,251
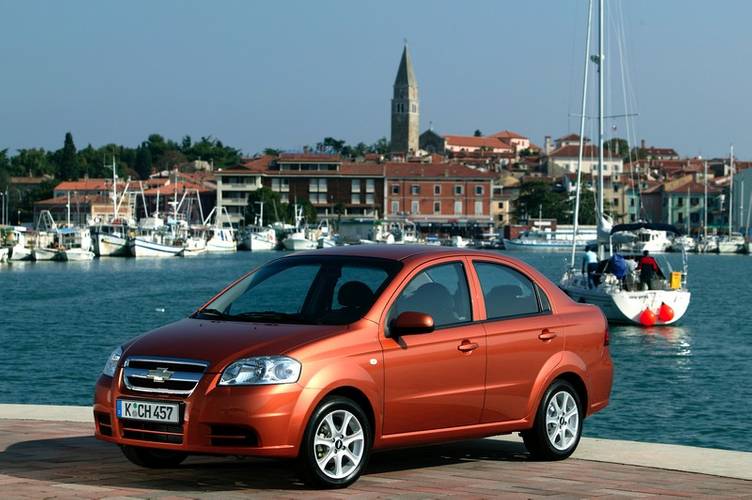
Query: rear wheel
x,y
336,444
558,424
153,458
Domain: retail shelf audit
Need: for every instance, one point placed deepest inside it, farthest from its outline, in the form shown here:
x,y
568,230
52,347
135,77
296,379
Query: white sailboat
x,y
221,235
258,238
110,238
21,249
666,298
733,242
299,239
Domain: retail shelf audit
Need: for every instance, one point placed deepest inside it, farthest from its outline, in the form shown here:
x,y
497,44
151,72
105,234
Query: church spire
x,y
405,108
405,74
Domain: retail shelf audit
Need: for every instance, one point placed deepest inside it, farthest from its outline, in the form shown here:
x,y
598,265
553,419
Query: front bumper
x,y
253,420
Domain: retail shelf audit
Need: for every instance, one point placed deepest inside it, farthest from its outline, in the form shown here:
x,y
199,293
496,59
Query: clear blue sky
x,y
287,73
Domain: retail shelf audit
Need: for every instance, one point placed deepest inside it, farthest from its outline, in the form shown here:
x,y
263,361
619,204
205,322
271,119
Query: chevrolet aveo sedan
x,y
325,356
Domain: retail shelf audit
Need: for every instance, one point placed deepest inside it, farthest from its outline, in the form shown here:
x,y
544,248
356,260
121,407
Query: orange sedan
x,y
328,355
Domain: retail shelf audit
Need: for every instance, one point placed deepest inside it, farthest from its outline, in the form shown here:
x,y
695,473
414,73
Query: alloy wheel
x,y
562,420
339,444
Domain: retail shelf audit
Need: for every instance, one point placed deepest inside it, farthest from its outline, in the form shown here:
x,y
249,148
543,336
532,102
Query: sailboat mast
x,y
731,193
114,190
705,205
576,222
600,108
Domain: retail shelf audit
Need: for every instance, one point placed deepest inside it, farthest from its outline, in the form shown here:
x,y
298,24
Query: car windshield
x,y
324,290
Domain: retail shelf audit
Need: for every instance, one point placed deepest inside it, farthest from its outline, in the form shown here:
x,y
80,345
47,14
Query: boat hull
x,y
547,246
40,254
296,244
261,245
77,255
215,245
110,245
626,307
4,254
20,252
144,248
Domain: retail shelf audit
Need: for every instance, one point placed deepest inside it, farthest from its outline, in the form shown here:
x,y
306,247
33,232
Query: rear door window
x,y
506,291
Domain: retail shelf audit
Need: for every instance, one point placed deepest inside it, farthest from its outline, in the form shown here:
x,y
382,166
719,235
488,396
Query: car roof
x,y
395,252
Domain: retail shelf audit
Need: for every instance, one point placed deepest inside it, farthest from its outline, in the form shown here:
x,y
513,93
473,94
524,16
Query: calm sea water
x,y
687,384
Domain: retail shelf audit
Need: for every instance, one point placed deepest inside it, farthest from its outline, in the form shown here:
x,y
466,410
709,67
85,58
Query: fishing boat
x,y
256,237
75,244
155,239
665,298
299,239
221,234
110,237
20,248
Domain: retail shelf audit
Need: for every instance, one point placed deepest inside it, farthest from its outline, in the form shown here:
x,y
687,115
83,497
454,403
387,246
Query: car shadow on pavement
x,y
82,460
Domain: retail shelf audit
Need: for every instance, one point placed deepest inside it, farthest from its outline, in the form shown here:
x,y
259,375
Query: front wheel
x,y
336,444
153,458
558,424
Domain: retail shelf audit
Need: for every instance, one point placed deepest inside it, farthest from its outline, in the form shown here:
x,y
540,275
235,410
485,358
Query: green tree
x,y
271,151
477,133
35,161
538,198
381,146
274,209
617,147
68,164
143,161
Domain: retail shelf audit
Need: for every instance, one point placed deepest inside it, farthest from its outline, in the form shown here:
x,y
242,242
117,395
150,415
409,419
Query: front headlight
x,y
261,370
112,361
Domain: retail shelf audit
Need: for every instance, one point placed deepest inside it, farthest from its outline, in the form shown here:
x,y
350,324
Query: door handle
x,y
546,335
467,347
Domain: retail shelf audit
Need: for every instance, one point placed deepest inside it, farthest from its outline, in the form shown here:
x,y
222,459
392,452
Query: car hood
x,y
222,342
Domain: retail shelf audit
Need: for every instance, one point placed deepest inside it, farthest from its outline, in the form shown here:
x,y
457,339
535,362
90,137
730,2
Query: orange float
x,y
665,313
647,318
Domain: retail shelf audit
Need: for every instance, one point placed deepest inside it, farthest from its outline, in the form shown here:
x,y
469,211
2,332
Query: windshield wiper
x,y
214,313
273,316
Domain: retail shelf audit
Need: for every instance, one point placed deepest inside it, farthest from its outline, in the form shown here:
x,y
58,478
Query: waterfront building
x,y
439,197
405,109
84,209
681,202
327,181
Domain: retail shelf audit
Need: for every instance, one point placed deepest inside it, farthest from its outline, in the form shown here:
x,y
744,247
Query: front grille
x,y
232,435
152,431
163,375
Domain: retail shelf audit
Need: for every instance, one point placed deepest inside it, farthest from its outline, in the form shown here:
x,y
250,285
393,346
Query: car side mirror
x,y
411,323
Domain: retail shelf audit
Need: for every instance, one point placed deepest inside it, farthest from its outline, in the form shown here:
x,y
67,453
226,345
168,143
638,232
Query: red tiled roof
x,y
84,185
570,137
318,157
507,134
434,170
75,199
180,187
476,142
573,151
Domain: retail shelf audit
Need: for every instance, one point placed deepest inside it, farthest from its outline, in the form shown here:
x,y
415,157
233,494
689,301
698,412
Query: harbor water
x,y
687,384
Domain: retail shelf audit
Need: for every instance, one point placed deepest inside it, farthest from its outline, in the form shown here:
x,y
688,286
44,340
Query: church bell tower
x,y
405,108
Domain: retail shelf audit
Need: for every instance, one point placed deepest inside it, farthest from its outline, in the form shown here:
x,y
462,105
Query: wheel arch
x,y
359,397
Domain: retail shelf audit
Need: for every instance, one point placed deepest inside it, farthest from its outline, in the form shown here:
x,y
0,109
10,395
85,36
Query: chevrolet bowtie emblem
x,y
160,374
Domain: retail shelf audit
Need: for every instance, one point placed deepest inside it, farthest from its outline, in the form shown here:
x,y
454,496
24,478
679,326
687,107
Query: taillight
x,y
606,340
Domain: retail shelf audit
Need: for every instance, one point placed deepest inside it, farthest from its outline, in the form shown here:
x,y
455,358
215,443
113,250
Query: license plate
x,y
147,410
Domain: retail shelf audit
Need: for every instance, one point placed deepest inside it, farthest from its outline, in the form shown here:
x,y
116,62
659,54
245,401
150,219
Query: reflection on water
x,y
685,384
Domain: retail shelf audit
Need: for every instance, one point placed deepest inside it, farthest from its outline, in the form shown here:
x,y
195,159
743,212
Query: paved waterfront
x,y
62,460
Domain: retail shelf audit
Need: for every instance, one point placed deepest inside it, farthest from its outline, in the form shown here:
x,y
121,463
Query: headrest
x,y
355,294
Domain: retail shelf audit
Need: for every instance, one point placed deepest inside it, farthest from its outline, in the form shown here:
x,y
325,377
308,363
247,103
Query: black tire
x,y
153,458
310,452
537,440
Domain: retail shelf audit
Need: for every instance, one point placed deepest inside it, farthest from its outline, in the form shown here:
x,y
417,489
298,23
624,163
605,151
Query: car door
x,y
434,380
521,338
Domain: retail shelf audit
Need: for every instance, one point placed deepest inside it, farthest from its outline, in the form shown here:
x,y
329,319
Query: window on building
x,y
616,202
632,217
694,218
437,189
280,185
501,205
631,202
436,207
415,207
478,207
680,218
497,190
395,207
355,186
457,208
355,198
458,189
414,108
478,190
395,188
415,189
370,185
369,199
694,201
680,202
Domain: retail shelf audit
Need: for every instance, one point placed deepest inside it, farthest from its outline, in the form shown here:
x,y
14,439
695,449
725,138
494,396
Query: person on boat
x,y
648,268
589,265
618,267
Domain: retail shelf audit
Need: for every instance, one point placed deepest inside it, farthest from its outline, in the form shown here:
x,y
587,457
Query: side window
x,y
440,291
506,292
354,277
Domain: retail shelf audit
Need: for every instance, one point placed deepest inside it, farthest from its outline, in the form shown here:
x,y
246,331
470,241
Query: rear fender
x,y
567,362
